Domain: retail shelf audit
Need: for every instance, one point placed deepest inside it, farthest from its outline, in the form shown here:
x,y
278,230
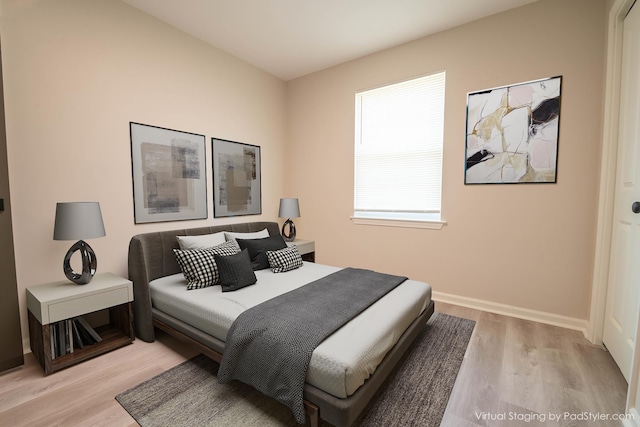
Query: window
x,y
398,153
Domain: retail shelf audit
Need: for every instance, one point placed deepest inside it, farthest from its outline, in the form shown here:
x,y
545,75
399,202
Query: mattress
x,y
341,363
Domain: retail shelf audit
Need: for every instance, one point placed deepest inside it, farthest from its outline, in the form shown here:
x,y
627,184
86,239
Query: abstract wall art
x,y
169,174
236,179
512,133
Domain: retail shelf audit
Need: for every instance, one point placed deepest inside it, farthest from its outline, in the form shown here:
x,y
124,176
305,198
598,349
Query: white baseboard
x,y
635,419
510,310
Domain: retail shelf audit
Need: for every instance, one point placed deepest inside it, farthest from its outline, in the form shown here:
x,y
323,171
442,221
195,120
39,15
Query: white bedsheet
x,y
342,362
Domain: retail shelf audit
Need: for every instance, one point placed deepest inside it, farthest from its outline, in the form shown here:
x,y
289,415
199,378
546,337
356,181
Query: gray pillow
x,y
235,271
258,249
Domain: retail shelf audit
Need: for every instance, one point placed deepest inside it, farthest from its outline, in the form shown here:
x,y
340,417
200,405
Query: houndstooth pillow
x,y
198,265
284,260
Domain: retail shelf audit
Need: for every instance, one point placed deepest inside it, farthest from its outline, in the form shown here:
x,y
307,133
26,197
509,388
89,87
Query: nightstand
x,y
307,249
56,318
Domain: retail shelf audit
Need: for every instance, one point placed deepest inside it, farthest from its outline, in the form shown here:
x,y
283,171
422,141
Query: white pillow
x,y
255,235
201,242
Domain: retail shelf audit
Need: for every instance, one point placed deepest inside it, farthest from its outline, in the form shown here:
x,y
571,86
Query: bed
x,y
341,379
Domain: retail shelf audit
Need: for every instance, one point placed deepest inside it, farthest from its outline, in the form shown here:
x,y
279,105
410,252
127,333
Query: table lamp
x,y
79,220
289,208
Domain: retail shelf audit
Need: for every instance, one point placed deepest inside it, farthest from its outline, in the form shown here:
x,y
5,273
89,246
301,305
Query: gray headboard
x,y
151,257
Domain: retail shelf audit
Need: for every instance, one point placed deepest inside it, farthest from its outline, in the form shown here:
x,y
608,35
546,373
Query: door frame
x,y
608,166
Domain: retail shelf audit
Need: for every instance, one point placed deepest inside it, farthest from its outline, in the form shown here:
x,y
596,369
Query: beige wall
x,y
76,73
527,246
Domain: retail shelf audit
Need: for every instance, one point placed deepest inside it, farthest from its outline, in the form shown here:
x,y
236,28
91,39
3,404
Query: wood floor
x,y
522,373
514,369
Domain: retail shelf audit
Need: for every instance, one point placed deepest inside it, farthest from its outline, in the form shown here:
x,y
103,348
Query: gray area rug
x,y
415,394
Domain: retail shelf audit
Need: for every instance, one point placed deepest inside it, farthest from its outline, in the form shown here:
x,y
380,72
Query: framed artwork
x,y
512,133
236,179
169,178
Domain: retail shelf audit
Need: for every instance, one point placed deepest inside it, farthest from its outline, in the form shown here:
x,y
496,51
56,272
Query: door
x,y
10,335
623,294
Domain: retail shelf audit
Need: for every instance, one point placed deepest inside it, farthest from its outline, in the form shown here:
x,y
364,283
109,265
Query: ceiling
x,y
292,38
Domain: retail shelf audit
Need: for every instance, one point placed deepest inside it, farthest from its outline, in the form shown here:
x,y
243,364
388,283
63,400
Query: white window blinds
x,y
398,150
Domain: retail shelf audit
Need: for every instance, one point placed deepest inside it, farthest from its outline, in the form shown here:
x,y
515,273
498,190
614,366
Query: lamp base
x,y
89,263
292,231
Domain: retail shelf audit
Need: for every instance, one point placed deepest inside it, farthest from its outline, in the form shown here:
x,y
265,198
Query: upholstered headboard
x,y
151,257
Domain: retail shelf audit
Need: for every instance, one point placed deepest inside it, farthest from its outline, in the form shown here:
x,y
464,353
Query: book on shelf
x,y
85,325
86,338
62,345
53,334
70,334
77,339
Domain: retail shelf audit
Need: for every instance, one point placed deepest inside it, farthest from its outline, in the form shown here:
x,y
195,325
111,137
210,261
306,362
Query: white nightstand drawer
x,y
87,304
62,300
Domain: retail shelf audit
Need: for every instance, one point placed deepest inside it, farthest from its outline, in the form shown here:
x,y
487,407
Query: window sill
x,y
384,222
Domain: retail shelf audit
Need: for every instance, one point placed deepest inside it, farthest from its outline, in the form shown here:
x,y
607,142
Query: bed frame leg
x,y
314,413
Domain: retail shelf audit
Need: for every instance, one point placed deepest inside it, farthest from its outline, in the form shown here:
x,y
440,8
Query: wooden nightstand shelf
x,y
61,301
307,249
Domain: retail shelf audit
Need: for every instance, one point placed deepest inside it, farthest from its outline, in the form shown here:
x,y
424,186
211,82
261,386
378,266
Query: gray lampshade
x,y
289,208
78,220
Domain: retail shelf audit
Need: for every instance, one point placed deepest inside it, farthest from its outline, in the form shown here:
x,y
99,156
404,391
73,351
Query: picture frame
x,y
512,133
237,186
169,174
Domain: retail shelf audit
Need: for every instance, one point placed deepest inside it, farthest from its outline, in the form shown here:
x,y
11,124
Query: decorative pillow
x,y
199,266
259,247
255,235
235,271
201,242
284,259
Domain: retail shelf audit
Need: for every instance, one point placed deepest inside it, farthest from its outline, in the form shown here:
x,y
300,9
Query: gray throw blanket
x,y
269,346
